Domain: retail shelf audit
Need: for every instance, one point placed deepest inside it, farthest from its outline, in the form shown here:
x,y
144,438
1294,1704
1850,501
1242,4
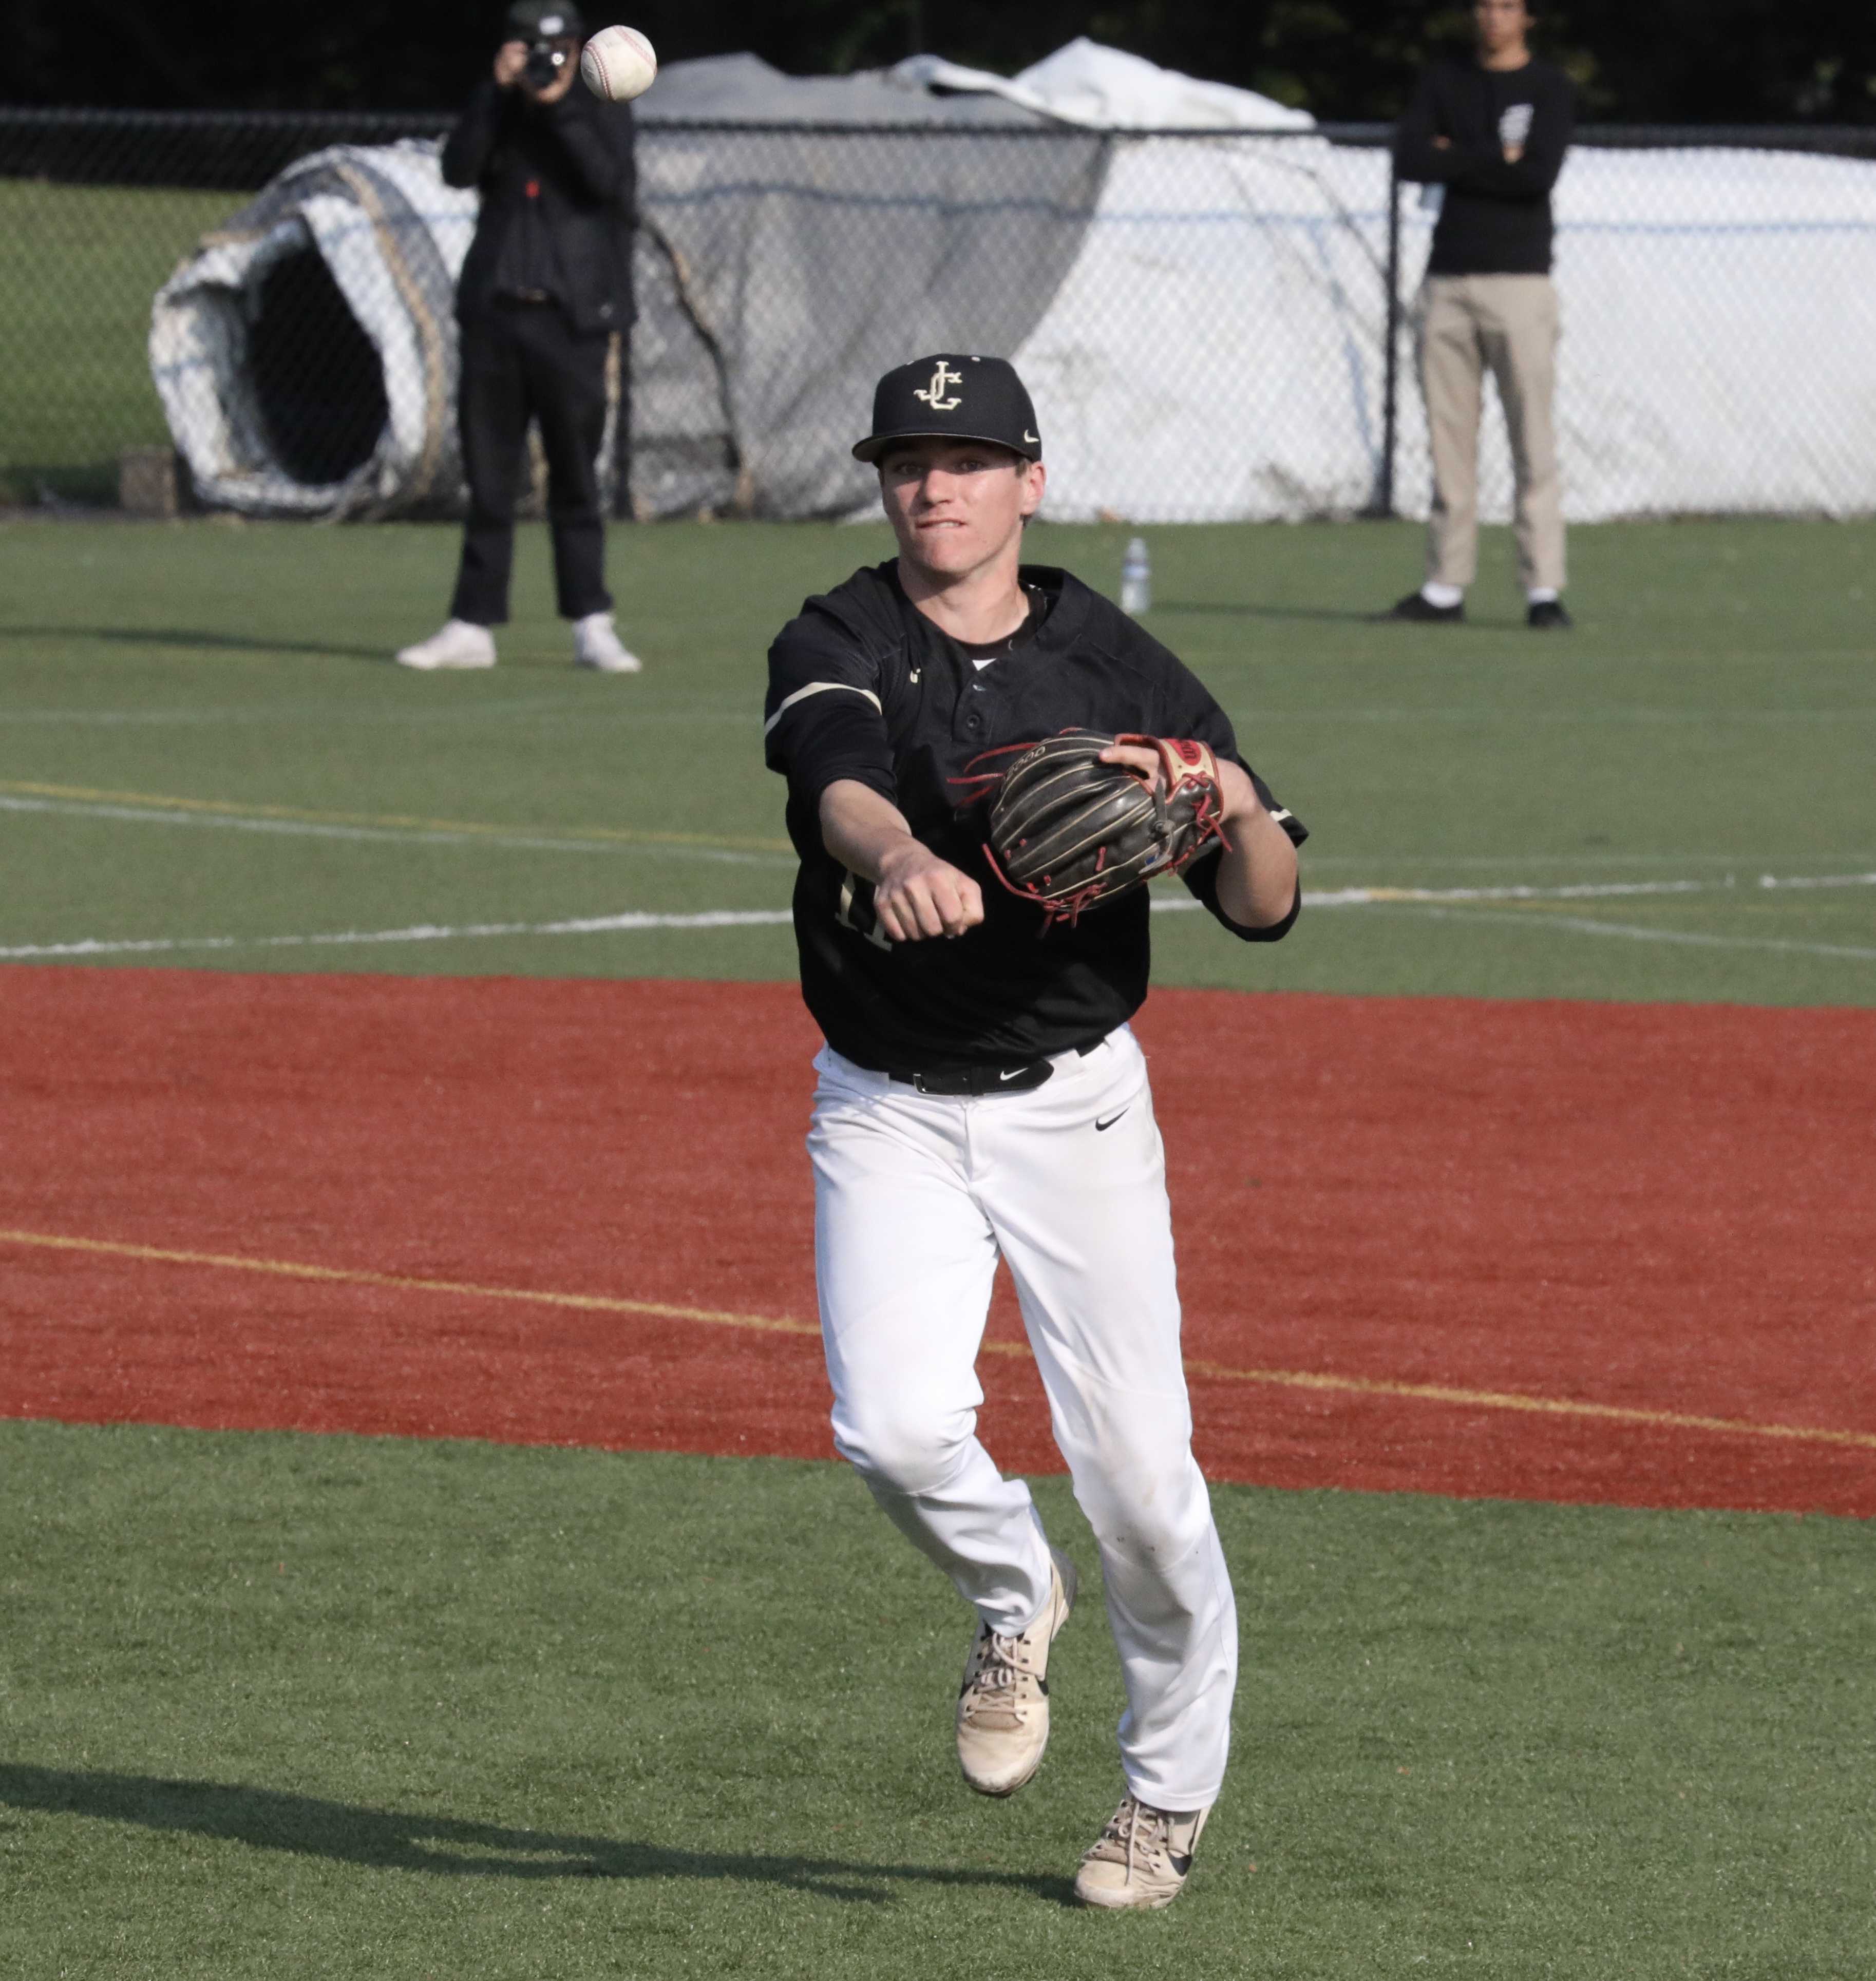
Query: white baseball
x,y
618,64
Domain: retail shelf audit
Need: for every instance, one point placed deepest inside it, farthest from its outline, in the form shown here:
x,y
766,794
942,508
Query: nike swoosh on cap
x,y
1101,1127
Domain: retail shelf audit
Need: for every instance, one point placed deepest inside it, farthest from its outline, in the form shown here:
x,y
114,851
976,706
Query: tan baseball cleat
x,y
1142,1859
1003,1705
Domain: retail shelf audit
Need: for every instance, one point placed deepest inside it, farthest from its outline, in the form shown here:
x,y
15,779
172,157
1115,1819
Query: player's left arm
x,y
1252,881
1251,884
1257,874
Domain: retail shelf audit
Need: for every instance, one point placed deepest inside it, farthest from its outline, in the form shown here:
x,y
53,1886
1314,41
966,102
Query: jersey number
x,y
855,910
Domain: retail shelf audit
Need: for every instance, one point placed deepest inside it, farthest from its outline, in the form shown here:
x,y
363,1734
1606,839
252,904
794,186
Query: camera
x,y
545,61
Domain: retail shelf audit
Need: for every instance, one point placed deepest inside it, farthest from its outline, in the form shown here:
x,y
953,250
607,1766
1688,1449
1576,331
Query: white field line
x,y
518,842
1818,880
419,932
1726,863
1441,903
1363,897
1588,715
442,834
1581,925
284,713
538,709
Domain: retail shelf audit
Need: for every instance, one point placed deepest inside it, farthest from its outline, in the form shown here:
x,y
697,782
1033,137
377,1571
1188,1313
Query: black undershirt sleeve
x,y
1202,881
823,718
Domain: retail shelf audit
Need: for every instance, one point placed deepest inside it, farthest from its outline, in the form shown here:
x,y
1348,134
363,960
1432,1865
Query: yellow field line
x,y
1512,1399
1292,1379
291,1269
231,808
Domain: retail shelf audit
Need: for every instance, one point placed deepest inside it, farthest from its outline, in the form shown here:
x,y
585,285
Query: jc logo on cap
x,y
933,394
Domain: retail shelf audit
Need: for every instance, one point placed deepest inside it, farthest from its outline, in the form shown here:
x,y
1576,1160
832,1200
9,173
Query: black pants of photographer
x,y
520,361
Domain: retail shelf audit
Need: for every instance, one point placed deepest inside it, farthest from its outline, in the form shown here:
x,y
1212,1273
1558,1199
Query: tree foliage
x,y
1675,61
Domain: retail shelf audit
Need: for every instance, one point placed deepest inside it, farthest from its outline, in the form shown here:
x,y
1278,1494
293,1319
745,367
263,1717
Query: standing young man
x,y
1492,132
545,287
981,1096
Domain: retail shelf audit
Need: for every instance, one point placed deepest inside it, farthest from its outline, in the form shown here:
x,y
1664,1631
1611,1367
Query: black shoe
x,y
1418,608
1549,612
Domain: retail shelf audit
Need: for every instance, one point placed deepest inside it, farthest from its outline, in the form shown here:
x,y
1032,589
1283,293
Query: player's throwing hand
x,y
918,895
916,892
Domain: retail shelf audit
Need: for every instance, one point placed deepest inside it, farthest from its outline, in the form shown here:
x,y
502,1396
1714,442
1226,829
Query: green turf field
x,y
333,1706
203,748
339,1707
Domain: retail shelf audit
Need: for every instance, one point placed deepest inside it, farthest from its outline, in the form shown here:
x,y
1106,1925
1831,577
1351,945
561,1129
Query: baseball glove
x,y
1068,831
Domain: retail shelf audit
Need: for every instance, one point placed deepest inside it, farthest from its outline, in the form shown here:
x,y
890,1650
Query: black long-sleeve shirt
x,y
1496,218
558,186
862,685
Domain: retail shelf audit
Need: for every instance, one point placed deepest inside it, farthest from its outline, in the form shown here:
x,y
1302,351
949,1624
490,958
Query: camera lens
x,y
544,63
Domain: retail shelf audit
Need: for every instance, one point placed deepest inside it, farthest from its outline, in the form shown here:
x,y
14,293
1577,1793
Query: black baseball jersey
x,y
862,685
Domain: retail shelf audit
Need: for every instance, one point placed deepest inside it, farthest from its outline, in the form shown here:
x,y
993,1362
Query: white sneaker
x,y
1142,1859
459,645
1003,1705
595,644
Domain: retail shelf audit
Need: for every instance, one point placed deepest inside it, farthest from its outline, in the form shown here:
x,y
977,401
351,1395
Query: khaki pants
x,y
1507,323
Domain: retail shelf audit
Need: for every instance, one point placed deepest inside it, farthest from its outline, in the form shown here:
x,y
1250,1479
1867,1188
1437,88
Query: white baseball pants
x,y
915,1196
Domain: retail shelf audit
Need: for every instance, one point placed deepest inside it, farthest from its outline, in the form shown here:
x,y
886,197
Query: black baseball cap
x,y
545,21
954,398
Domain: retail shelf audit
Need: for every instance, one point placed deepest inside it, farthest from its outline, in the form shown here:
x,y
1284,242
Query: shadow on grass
x,y
1340,615
446,1846
189,636
1237,609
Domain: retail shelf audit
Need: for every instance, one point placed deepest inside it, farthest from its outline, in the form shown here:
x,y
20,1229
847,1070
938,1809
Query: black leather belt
x,y
978,1079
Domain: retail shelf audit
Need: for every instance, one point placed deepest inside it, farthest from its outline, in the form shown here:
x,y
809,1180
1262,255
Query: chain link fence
x,y
254,311
97,208
1718,356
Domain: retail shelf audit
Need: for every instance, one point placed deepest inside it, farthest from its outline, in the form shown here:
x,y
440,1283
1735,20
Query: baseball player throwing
x,y
981,1095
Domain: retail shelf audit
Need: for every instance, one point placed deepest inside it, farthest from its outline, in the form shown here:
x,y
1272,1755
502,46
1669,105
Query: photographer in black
x,y
546,285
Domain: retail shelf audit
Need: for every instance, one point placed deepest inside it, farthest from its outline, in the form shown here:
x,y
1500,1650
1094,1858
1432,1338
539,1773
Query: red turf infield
x,y
1665,1208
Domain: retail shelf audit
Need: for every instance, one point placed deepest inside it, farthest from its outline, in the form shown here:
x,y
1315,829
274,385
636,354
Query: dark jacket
x,y
576,155
1496,218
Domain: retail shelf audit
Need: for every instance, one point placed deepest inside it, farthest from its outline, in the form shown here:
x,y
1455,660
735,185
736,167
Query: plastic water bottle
x,y
1136,578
